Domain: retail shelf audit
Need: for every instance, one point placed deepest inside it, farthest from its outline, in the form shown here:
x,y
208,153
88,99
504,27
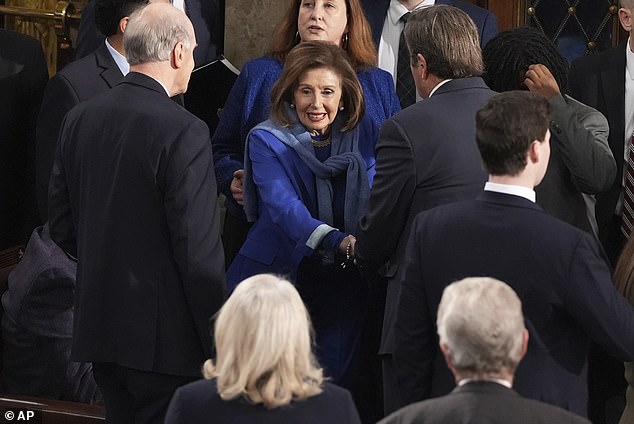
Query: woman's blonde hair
x,y
263,344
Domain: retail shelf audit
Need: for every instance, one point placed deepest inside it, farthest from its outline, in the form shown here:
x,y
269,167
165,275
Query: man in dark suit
x,y
38,311
425,155
600,81
23,75
556,269
80,81
133,197
387,20
482,338
204,15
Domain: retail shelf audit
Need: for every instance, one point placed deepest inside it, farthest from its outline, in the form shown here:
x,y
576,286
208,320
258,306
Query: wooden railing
x,y
63,18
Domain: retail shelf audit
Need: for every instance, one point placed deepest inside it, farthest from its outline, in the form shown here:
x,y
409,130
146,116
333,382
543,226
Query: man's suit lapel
x,y
110,72
613,89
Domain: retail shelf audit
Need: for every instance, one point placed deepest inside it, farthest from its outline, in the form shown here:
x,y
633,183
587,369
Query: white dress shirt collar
x,y
504,383
440,84
119,59
515,190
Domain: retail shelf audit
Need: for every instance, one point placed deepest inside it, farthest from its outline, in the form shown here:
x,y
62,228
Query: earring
x,y
292,106
341,107
344,41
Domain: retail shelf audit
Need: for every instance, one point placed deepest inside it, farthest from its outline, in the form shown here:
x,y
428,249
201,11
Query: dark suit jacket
x,y
205,17
599,81
199,401
37,326
133,197
376,10
557,271
482,403
77,82
426,156
23,75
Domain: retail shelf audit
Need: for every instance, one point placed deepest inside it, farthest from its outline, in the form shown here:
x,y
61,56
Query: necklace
x,y
321,143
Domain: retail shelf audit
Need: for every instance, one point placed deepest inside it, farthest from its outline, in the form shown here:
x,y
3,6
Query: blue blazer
x,y
375,11
557,271
279,238
249,104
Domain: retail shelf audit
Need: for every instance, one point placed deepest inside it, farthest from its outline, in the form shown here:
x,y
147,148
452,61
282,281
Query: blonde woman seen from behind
x,y
264,370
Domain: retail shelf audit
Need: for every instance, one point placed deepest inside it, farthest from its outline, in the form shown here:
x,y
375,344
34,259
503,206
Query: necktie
x,y
627,218
405,89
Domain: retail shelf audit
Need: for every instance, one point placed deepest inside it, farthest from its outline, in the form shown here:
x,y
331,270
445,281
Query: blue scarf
x,y
345,157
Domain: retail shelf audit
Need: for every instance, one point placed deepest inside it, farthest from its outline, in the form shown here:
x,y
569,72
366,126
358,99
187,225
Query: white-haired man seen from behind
x,y
483,338
133,197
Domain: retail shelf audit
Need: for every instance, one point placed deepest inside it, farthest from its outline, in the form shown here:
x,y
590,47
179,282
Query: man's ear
x,y
625,17
534,152
178,55
123,24
524,343
421,67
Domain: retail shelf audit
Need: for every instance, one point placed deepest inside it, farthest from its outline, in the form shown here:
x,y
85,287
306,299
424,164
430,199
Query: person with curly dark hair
x,y
582,164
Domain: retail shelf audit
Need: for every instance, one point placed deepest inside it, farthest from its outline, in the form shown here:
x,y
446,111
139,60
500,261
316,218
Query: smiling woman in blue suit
x,y
341,22
307,175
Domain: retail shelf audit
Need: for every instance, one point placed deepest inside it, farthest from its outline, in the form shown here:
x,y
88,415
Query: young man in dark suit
x,y
80,81
557,270
387,20
482,339
425,155
133,197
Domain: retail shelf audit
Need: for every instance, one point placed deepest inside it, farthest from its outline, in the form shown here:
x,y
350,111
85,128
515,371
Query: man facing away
x,y
133,197
425,155
387,19
482,339
556,269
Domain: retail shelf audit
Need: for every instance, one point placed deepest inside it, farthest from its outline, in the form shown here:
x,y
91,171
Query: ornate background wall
x,y
249,26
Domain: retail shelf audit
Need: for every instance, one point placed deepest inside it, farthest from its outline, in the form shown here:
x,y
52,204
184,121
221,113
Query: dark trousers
x,y
392,400
133,396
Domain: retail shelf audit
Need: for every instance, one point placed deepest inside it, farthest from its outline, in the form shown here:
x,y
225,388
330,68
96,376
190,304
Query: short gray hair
x,y
151,36
448,40
480,321
627,4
